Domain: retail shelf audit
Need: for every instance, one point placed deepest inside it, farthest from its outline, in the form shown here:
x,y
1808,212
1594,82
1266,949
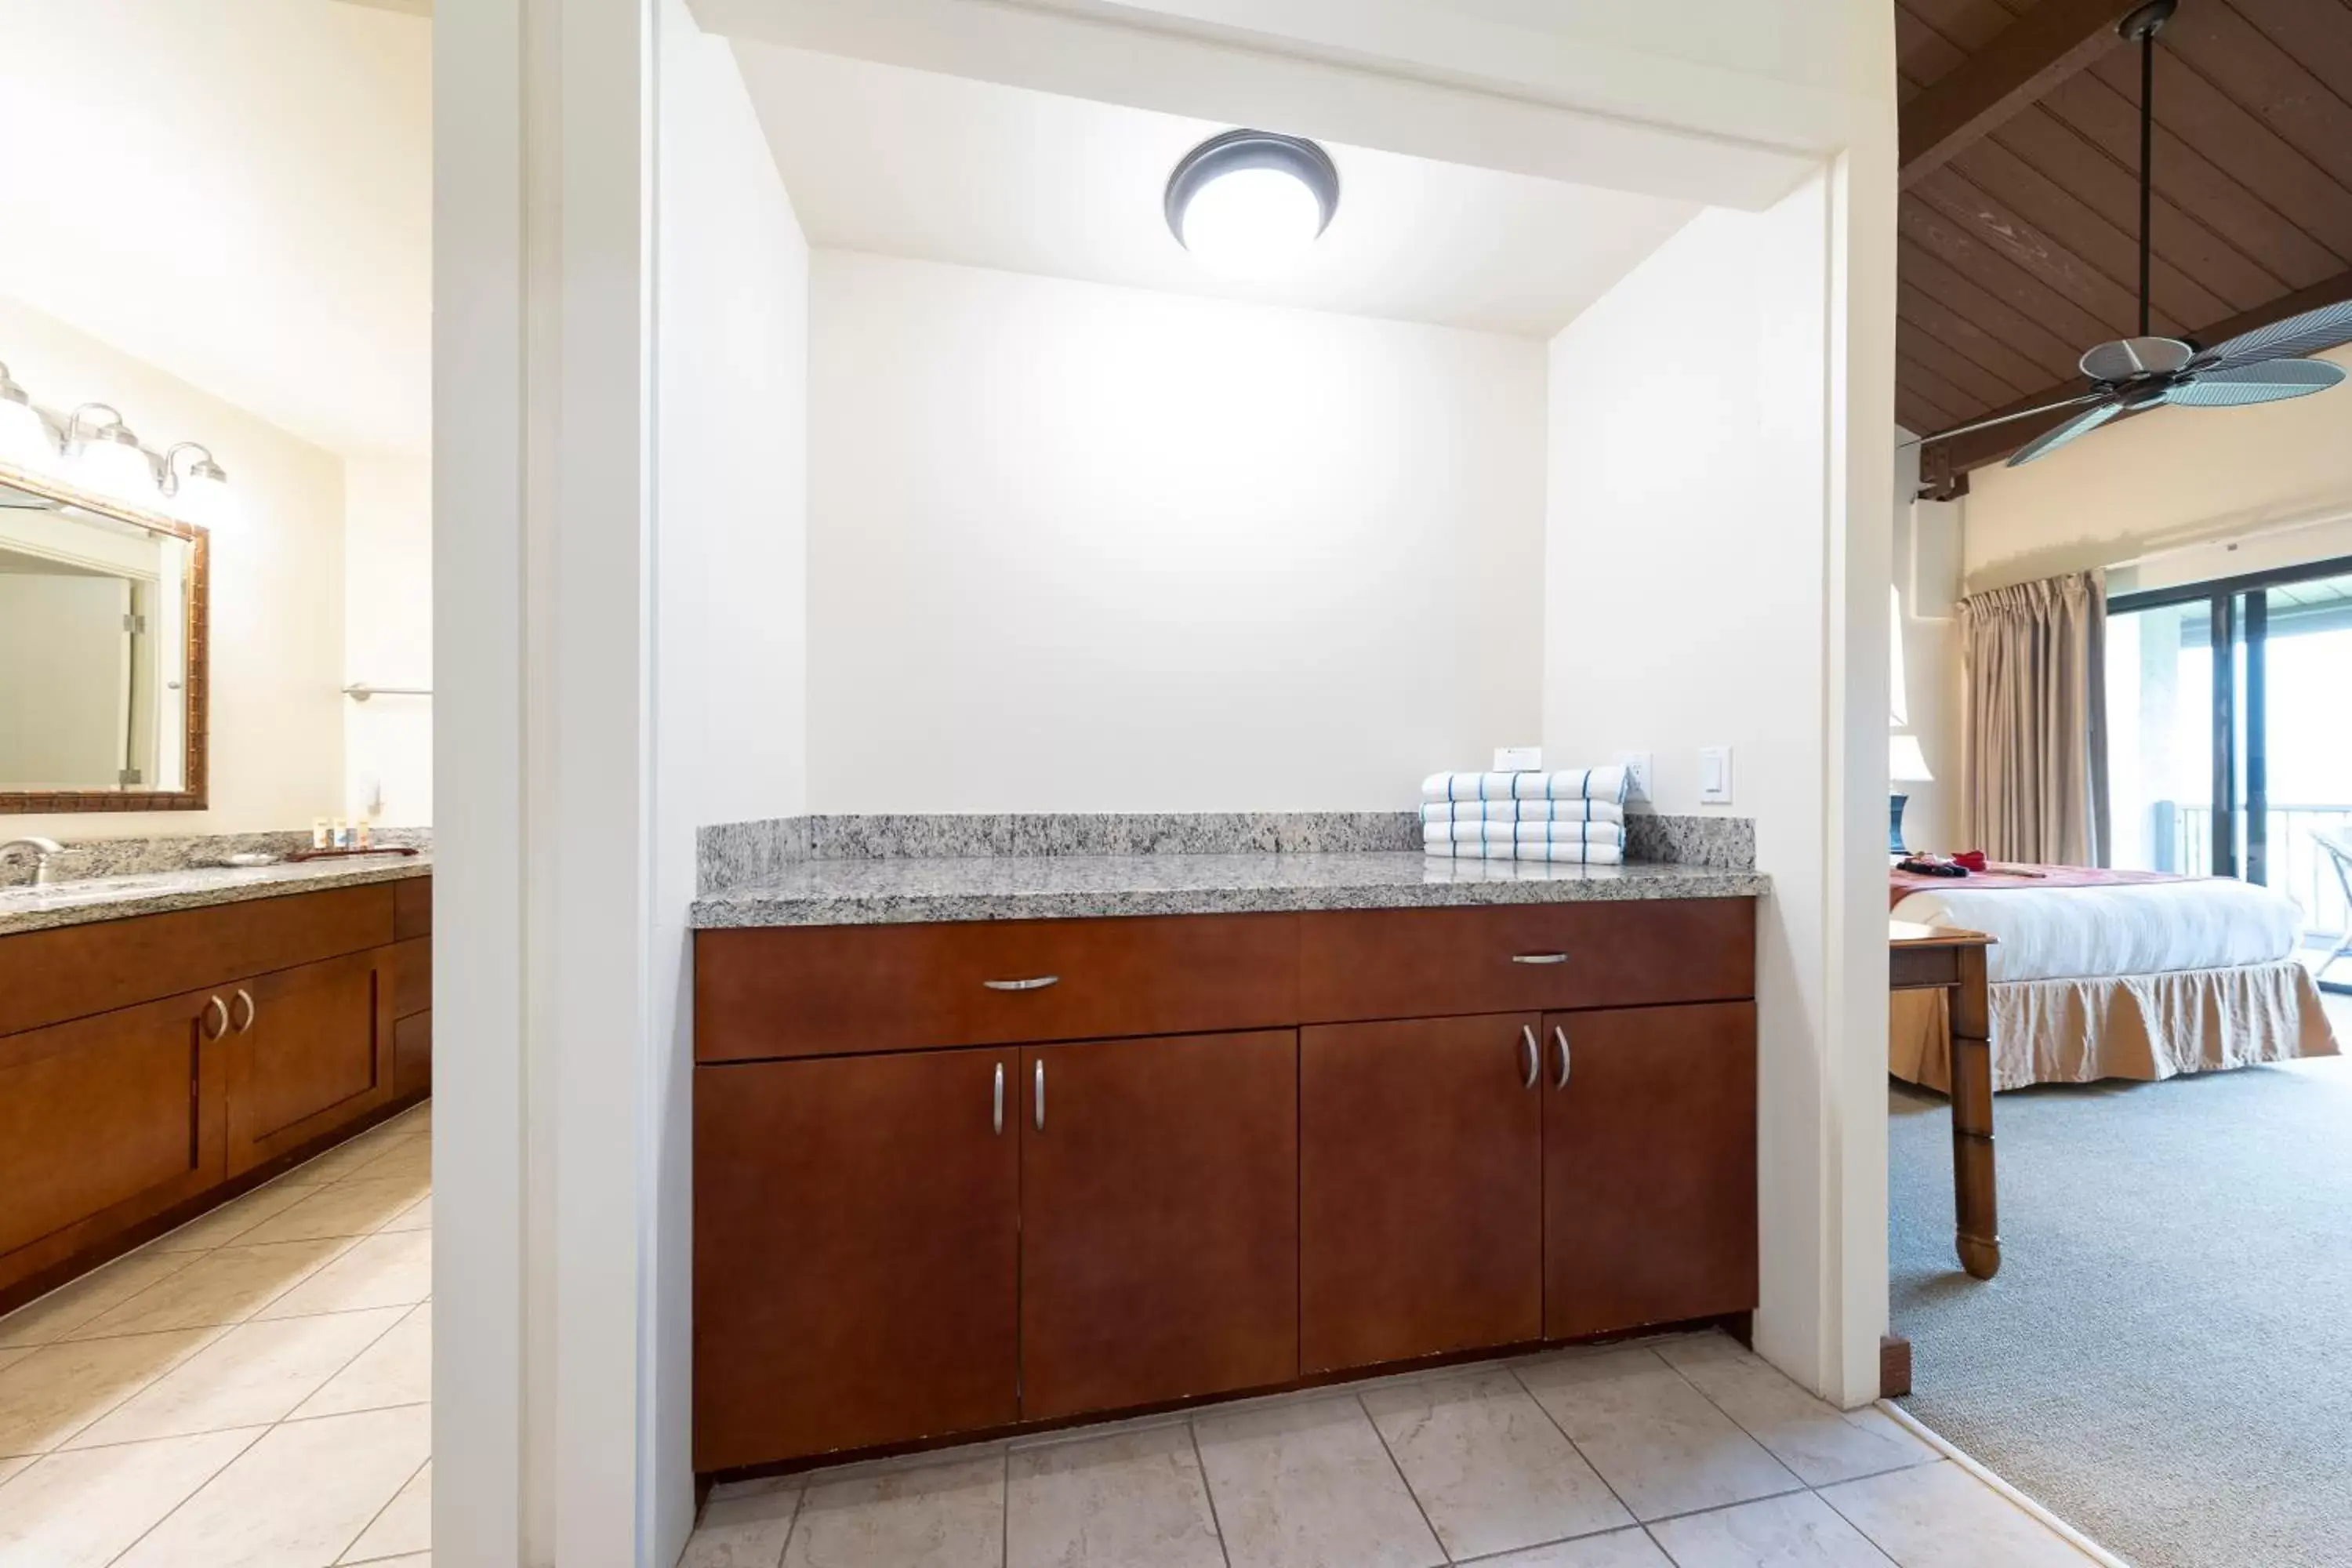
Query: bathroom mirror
x,y
102,620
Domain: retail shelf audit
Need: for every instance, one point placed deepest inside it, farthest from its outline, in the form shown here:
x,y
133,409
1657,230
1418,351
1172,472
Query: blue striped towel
x,y
1442,811
1441,833
1572,783
1563,853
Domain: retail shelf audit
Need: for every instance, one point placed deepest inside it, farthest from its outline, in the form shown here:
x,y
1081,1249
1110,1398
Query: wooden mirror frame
x,y
191,795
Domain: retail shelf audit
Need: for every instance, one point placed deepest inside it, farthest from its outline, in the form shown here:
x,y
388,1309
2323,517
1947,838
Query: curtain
x,y
2034,720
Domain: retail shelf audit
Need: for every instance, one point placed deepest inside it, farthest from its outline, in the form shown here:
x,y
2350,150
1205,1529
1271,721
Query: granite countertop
x,y
78,902
913,890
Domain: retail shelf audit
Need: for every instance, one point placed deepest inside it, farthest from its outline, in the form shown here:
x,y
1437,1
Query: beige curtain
x,y
2034,722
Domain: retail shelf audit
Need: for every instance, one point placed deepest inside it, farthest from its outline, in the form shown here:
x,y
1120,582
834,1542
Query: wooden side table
x,y
1929,958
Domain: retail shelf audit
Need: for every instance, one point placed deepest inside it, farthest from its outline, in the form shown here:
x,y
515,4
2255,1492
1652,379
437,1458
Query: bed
x,y
2100,974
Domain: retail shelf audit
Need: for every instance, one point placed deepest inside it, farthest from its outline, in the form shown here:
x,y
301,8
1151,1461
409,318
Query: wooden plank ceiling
x,y
2019,219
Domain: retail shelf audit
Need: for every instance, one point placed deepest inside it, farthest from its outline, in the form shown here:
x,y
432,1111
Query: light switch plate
x,y
1518,758
1715,775
1637,768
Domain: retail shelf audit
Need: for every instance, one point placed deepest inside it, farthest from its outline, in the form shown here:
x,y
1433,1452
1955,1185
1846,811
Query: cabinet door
x,y
1420,1188
103,1122
1158,1219
856,1252
1649,1166
309,1054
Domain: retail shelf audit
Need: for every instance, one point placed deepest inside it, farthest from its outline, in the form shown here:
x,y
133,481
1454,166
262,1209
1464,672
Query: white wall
x,y
1697,554
277,578
388,639
1075,547
729,595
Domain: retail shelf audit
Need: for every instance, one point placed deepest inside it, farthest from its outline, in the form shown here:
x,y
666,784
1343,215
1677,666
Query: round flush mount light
x,y
1248,201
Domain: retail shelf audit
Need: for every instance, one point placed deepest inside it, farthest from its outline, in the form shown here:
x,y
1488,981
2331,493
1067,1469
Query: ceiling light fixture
x,y
201,494
107,459
1249,201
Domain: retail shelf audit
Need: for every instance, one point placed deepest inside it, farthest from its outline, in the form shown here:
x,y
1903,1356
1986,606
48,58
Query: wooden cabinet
x,y
103,1121
856,1270
1420,1188
1648,1182
1160,1220
309,1049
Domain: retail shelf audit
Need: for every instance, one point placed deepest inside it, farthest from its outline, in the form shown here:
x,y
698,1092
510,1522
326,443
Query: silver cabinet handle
x,y
1041,1094
251,1010
1035,982
1560,1035
1538,957
215,1009
1528,1039
996,1116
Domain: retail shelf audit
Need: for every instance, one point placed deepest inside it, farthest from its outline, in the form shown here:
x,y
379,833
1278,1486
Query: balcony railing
x,y
2297,866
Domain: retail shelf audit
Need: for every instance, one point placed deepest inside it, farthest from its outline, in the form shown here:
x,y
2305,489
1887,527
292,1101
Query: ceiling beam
x,y
1956,456
2024,61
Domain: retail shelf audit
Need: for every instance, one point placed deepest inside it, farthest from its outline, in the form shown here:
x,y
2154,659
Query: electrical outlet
x,y
1637,769
1715,775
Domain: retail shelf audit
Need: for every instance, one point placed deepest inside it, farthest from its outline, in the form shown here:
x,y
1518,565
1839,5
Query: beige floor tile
x,y
1490,1468
395,1370
346,1208
1799,1531
297,1498
405,1525
1131,1500
400,1159
395,1269
1624,1549
745,1529
936,1516
1939,1516
344,1158
1821,1443
1306,1485
1655,1440
252,1374
80,1509
418,1217
59,1389
224,1286
414,1560
233,1218
71,1305
9,1467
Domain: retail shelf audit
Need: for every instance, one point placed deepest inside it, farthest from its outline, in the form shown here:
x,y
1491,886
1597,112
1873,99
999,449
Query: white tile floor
x,y
248,1392
1674,1453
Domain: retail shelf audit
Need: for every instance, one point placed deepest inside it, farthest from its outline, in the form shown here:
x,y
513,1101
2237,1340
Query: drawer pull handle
x,y
1528,1039
251,1012
216,1015
1538,957
996,1117
1035,982
1560,1036
1041,1094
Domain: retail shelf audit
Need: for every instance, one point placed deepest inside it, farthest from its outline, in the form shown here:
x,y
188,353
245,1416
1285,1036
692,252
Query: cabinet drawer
x,y
1420,963
829,990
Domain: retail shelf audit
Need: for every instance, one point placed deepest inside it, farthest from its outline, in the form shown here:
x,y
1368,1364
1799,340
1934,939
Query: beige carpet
x,y
2165,1357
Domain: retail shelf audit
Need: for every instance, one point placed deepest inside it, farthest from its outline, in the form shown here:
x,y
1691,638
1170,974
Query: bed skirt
x,y
2143,1026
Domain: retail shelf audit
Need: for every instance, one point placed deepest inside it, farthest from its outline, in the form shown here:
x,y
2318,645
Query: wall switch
x,y
1715,775
1637,775
1518,758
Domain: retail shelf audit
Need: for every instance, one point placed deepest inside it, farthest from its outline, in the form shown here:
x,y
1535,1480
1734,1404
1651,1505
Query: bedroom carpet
x,y
2163,1359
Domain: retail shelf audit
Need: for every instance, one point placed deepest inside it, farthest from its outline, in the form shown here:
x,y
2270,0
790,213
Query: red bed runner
x,y
1901,885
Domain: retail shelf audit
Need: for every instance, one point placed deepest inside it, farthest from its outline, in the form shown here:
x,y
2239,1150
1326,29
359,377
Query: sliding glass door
x,y
2230,735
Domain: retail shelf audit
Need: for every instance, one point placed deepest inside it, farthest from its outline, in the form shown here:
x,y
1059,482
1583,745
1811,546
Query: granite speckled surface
x,y
1728,843
87,858
1065,887
110,897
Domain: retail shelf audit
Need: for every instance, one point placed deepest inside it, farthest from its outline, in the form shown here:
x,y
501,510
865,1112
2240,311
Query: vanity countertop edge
x,y
34,908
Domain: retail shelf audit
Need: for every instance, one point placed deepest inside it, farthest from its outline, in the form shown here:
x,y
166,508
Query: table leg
x,y
1978,1238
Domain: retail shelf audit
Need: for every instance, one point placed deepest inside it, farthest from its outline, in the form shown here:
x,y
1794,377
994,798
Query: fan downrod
x,y
2147,20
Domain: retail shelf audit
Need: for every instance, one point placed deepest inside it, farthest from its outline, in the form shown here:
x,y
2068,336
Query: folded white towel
x,y
1571,783
1522,811
1523,833
1571,853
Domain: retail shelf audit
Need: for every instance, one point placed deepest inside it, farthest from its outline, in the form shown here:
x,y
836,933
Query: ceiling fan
x,y
2129,374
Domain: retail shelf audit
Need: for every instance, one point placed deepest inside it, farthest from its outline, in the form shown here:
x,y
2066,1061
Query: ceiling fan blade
x,y
1975,425
2128,357
2081,425
2265,381
2330,326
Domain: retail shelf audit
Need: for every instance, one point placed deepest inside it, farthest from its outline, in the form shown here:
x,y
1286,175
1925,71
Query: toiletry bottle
x,y
320,831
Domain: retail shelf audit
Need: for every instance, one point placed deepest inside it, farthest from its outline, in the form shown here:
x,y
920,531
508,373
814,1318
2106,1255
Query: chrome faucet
x,y
42,849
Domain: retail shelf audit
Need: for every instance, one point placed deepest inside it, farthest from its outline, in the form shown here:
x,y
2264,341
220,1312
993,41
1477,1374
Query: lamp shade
x,y
1905,763
111,464
25,441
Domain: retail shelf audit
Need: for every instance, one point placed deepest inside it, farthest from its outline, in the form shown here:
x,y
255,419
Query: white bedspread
x,y
2055,933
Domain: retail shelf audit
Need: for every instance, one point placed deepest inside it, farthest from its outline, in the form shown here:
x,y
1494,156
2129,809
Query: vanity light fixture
x,y
106,457
1246,202
25,441
200,494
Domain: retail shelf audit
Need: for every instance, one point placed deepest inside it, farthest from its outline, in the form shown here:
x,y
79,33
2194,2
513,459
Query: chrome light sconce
x,y
201,491
107,457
